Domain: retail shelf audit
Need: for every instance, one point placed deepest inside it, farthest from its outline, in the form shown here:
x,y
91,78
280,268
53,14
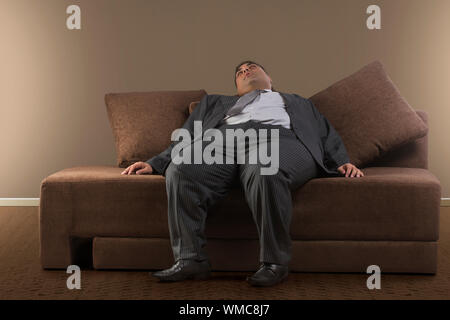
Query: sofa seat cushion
x,y
388,203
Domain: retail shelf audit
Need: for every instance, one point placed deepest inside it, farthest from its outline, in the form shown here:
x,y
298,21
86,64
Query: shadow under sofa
x,y
94,217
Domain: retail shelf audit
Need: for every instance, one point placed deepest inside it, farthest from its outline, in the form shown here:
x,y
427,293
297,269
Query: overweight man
x,y
308,147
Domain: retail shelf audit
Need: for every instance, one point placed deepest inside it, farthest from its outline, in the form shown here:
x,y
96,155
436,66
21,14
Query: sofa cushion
x,y
369,113
242,255
386,204
410,155
142,122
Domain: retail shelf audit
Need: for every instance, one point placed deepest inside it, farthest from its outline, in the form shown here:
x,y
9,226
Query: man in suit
x,y
309,147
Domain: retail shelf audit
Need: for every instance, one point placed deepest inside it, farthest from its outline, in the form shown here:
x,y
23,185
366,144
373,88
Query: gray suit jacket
x,y
308,124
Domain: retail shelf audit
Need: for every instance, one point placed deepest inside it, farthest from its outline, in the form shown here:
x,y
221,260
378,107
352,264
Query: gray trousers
x,y
193,188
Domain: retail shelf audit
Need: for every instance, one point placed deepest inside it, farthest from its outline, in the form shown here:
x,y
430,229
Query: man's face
x,y
250,77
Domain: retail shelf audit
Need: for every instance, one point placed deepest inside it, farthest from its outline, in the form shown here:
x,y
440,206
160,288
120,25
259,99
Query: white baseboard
x,y
19,202
34,202
445,202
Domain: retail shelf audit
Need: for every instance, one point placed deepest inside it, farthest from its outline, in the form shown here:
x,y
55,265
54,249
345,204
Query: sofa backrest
x,y
142,124
411,155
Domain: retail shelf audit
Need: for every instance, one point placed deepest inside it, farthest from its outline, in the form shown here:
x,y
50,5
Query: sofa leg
x,y
63,251
81,252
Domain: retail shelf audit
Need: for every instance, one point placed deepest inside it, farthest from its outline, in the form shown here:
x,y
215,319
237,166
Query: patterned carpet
x,y
21,276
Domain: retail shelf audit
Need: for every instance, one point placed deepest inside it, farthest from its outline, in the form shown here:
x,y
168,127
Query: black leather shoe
x,y
268,275
185,269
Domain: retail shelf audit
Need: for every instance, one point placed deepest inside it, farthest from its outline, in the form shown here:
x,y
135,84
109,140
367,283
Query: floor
x,y
21,276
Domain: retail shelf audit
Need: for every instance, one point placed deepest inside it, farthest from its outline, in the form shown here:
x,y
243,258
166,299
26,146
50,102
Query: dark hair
x,y
249,62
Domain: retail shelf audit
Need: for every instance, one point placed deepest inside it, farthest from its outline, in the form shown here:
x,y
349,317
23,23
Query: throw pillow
x,y
369,113
143,122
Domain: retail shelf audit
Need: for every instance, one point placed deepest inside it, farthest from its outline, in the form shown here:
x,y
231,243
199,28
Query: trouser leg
x,y
191,190
269,196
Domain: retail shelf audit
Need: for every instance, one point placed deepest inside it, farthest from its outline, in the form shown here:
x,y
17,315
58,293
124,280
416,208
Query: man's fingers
x,y
143,170
138,166
359,173
352,172
135,166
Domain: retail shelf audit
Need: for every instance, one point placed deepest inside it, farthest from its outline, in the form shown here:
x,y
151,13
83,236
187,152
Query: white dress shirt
x,y
267,108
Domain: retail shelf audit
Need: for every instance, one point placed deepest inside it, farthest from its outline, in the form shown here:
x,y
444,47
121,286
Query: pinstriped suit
x,y
312,148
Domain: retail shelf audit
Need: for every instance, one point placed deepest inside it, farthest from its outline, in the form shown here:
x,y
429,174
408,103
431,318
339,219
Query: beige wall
x,y
53,80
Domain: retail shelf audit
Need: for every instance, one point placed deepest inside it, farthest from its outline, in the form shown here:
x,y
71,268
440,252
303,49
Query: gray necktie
x,y
242,103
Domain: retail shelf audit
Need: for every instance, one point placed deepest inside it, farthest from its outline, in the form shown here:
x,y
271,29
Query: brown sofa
x,y
93,216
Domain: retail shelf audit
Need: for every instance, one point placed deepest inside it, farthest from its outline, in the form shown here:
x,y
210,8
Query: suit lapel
x,y
291,110
225,103
287,102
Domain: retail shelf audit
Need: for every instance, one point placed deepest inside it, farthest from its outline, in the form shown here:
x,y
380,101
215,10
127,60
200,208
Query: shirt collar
x,y
265,90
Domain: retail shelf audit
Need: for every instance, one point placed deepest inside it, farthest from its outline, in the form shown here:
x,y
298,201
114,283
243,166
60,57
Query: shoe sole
x,y
267,284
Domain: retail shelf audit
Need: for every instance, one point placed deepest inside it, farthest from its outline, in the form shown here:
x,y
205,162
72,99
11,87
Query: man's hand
x,y
141,167
350,170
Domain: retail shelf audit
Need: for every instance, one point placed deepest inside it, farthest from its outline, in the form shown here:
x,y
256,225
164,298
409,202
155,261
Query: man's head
x,y
249,76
